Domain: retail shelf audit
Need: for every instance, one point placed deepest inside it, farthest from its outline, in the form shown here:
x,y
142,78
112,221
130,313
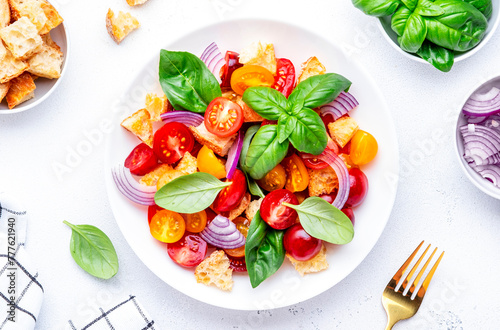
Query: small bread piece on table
x,y
312,67
215,271
53,17
157,105
316,264
253,208
151,178
4,88
22,88
260,54
342,130
219,145
121,25
21,38
11,67
4,13
322,181
136,2
31,9
47,63
140,125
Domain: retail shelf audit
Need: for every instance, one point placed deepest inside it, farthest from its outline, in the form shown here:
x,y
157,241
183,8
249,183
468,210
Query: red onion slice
x,y
489,172
187,118
344,103
480,142
214,60
480,105
130,188
233,155
222,233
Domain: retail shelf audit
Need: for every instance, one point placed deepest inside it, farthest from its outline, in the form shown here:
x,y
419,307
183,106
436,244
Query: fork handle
x,y
390,323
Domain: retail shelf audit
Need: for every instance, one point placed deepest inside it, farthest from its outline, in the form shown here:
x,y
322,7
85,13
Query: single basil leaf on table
x,y
324,221
190,193
253,187
414,34
265,152
264,250
93,251
286,125
484,6
250,133
319,90
309,134
267,102
378,8
411,4
186,81
440,57
428,8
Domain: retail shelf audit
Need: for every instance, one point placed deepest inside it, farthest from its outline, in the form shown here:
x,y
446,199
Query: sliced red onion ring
x,y
344,103
489,172
233,155
222,233
480,105
130,188
214,60
475,120
338,165
480,142
187,118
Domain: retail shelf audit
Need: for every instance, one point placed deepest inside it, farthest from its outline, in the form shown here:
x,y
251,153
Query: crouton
x,y
215,271
253,208
322,181
47,39
53,17
4,13
312,67
140,125
219,145
248,114
151,178
10,67
259,54
167,177
21,38
3,51
31,9
156,106
120,26
21,89
238,210
136,2
188,164
47,63
342,130
314,265
4,88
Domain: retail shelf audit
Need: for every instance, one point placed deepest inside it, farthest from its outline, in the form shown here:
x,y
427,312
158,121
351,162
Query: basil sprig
x,y
264,250
190,193
324,221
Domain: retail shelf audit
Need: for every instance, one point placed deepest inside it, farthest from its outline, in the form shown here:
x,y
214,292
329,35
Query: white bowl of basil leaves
x,y
439,32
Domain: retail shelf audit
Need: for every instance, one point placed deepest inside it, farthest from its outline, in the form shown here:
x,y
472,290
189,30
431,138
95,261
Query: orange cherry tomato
x,y
167,226
364,148
195,222
274,179
223,117
296,172
242,224
209,163
249,76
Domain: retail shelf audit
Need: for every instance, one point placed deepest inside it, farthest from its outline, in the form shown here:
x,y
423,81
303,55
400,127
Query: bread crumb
x,y
121,25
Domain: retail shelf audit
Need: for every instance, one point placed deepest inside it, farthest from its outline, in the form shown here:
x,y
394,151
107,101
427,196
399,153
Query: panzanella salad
x,y
249,163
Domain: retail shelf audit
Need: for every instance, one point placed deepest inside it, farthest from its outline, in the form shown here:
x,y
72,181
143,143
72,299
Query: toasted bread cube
x,y
312,67
3,51
188,164
314,265
4,13
215,271
53,17
248,114
47,39
136,2
4,88
31,9
10,67
21,89
219,145
47,63
342,130
120,26
21,38
140,125
156,106
259,54
167,177
322,181
151,179
253,208
238,210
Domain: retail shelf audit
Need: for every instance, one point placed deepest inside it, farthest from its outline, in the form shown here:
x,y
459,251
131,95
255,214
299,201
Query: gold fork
x,y
398,305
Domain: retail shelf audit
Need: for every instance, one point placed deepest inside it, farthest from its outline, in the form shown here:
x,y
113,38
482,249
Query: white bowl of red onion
x,y
478,137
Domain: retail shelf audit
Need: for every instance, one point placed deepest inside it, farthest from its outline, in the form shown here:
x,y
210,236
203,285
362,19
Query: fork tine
x,y
414,269
421,273
428,278
403,268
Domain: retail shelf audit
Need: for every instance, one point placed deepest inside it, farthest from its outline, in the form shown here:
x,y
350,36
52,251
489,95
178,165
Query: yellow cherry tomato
x,y
249,76
364,148
297,178
209,163
274,180
195,222
167,226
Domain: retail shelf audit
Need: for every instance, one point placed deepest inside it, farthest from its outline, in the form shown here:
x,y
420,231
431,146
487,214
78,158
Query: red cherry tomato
x,y
284,81
327,119
141,160
172,141
232,195
329,197
359,187
316,164
189,251
274,213
223,117
237,264
350,214
299,244
232,63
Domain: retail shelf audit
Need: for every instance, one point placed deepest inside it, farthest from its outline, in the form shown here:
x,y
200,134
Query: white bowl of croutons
x,y
34,49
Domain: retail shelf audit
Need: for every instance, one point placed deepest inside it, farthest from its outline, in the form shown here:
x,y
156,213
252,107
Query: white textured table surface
x,y
435,201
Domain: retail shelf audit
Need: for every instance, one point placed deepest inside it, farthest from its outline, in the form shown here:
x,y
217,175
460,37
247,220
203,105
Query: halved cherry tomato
x,y
296,172
249,76
223,117
364,148
274,213
285,76
327,119
316,164
189,251
275,179
300,245
231,195
232,63
152,210
172,141
141,160
209,163
238,265
195,222
359,187
167,226
242,224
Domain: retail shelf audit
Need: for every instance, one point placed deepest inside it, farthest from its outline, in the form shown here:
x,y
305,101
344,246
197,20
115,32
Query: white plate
x,y
286,287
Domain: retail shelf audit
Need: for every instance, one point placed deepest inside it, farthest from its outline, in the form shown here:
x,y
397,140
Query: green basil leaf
x,y
254,188
309,134
324,221
286,125
378,8
484,6
186,81
190,193
428,8
264,250
251,131
265,152
440,57
93,251
267,102
319,90
414,34
399,20
411,4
